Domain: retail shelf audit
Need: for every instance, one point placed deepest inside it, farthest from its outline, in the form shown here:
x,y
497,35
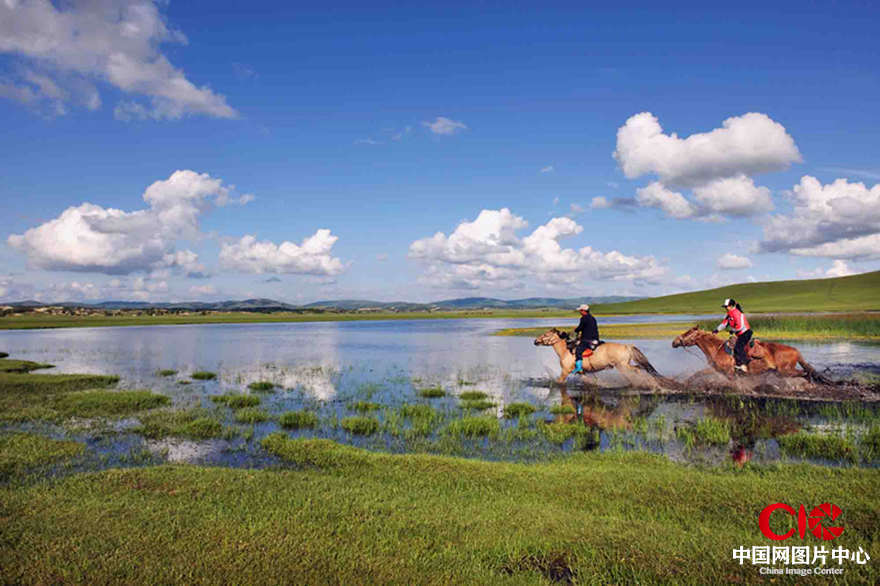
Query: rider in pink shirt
x,y
736,321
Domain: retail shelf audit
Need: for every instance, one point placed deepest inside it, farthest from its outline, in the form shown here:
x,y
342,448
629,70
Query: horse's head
x,y
549,337
688,338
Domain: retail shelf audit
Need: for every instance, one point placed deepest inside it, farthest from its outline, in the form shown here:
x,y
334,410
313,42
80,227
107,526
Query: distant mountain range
x,y
344,304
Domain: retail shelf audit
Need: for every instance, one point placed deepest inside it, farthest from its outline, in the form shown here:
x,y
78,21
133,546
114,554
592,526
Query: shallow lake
x,y
327,367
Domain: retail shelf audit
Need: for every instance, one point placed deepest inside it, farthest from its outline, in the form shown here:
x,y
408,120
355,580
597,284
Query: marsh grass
x,y
251,415
712,431
865,326
473,427
360,425
262,386
562,410
821,446
517,410
236,400
472,396
20,451
191,423
167,372
107,403
423,419
298,419
22,366
476,404
203,375
432,392
365,406
30,397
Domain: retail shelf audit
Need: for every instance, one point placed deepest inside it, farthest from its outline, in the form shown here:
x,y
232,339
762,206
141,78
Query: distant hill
x,y
853,293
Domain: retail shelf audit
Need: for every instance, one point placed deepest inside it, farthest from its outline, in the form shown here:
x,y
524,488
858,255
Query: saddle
x,y
753,349
572,345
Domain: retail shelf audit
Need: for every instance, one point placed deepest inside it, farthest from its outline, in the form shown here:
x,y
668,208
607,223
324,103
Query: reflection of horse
x,y
765,356
596,414
607,355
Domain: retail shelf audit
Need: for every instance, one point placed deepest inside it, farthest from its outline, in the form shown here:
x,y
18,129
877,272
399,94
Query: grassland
x,y
854,293
846,326
350,516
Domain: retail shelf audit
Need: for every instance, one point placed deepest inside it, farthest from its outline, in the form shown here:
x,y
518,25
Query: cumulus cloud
x,y
445,126
838,268
745,145
488,252
674,204
732,262
111,41
92,238
836,220
312,257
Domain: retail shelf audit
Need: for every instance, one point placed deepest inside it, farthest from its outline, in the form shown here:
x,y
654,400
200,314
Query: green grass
x,y
559,433
20,451
262,386
360,425
298,419
432,392
203,375
251,415
515,410
472,396
820,446
712,431
107,403
167,372
853,293
562,410
236,400
473,427
365,406
21,366
193,423
29,397
476,404
610,331
350,516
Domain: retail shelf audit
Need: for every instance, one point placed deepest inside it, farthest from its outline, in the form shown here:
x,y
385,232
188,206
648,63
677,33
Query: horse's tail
x,y
811,373
641,360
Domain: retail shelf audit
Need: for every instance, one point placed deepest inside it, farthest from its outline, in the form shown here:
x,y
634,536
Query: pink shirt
x,y
736,320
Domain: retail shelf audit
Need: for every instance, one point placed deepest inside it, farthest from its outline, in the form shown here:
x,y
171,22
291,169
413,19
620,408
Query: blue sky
x,y
385,124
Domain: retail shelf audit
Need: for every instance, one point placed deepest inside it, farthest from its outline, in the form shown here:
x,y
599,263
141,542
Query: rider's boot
x,y
579,367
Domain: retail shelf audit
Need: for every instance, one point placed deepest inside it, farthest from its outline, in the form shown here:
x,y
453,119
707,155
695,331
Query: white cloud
x,y
732,196
487,252
89,237
113,41
446,126
312,257
547,169
203,290
838,268
671,202
729,261
600,203
745,145
835,220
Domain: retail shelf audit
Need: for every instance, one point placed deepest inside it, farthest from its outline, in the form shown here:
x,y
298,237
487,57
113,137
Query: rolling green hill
x,y
853,293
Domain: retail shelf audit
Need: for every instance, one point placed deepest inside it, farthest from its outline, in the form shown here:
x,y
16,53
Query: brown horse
x,y
764,356
607,355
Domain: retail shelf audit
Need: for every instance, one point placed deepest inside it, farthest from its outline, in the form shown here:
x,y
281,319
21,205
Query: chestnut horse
x,y
764,356
607,355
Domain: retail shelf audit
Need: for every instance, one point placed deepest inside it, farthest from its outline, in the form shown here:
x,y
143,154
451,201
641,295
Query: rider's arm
x,y
720,326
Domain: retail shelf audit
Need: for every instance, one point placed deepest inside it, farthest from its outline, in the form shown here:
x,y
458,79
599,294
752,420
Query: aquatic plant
x,y
515,410
251,415
472,395
713,431
360,425
365,406
562,410
184,382
107,403
236,400
261,386
192,423
203,375
813,445
167,372
298,419
473,427
22,366
432,392
417,411
476,404
20,451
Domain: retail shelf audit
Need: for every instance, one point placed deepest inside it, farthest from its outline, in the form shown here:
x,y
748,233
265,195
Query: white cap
x,y
726,303
583,307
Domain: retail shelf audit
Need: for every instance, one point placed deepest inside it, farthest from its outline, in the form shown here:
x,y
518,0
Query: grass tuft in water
x,y
262,386
167,372
108,403
203,375
21,451
473,427
251,415
712,431
432,393
476,405
365,406
360,425
517,410
472,395
298,419
812,445
192,423
22,366
236,400
562,410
